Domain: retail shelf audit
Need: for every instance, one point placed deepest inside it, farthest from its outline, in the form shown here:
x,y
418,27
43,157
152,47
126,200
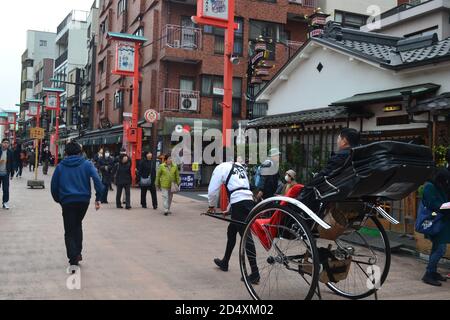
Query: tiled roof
x,y
307,116
389,51
435,104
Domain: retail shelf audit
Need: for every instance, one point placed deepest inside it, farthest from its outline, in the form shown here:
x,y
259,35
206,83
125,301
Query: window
x,y
101,67
121,7
139,32
103,26
269,31
42,43
118,100
210,82
101,106
219,39
218,109
349,19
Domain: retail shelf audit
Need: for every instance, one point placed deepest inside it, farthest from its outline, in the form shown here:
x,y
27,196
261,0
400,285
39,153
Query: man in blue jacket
x,y
71,188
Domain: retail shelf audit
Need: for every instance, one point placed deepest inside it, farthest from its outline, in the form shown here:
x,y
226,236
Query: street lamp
x,y
78,86
53,102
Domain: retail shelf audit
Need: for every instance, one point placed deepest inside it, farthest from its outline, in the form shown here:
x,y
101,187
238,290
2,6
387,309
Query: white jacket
x,y
239,180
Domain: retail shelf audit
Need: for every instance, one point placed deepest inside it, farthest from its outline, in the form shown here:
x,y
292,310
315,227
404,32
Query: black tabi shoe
x,y
222,265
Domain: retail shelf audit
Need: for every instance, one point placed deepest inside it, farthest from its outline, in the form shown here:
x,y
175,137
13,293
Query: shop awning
x,y
302,117
388,95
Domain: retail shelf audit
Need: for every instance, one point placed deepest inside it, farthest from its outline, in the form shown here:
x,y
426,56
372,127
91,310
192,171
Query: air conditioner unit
x,y
188,103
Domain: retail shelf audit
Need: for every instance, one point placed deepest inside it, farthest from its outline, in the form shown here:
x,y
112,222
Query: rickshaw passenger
x,y
347,139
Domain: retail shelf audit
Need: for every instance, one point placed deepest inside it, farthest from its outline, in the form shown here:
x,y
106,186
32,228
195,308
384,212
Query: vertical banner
x,y
52,101
124,58
33,110
214,9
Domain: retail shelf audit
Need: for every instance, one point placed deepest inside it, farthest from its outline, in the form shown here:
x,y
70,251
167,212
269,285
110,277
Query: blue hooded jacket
x,y
71,181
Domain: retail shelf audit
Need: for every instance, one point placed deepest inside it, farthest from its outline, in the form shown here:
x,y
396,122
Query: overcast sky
x,y
16,17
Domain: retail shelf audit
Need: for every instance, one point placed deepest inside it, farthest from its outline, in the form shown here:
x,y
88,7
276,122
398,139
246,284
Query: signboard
x,y
33,110
11,118
214,9
321,20
392,108
316,33
37,133
52,101
151,116
187,181
124,58
127,115
218,91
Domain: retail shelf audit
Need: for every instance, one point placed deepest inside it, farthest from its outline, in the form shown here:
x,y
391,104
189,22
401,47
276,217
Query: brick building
x,y
182,61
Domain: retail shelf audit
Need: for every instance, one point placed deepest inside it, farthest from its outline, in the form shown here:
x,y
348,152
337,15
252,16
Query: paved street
x,y
138,254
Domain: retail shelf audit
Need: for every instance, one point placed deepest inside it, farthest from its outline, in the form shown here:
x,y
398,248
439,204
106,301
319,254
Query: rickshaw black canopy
x,y
389,170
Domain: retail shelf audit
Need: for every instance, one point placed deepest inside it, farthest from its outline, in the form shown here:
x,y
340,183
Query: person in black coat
x,y
147,174
123,181
45,158
270,176
348,139
106,168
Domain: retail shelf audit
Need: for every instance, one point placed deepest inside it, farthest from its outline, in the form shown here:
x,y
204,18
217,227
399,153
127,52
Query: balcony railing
x,y
61,59
181,37
306,3
180,100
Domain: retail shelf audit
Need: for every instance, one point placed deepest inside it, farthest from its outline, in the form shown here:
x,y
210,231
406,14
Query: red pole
x,y
135,111
58,108
228,89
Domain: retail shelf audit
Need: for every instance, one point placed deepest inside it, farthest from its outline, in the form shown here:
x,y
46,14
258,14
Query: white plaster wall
x,y
440,19
78,52
341,78
356,6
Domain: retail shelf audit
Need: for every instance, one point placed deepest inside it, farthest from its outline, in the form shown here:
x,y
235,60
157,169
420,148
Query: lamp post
x,y
38,134
78,86
206,15
127,64
53,102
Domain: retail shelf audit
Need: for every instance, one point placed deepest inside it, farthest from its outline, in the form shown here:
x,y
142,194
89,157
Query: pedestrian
x,y
71,188
234,176
122,174
106,168
168,180
45,157
437,192
20,161
32,159
290,182
6,170
270,176
147,174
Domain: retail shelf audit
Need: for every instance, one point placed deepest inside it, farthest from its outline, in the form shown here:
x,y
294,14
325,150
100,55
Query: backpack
x,y
429,223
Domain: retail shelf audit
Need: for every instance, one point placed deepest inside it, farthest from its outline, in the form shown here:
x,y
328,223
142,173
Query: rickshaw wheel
x,y
364,269
285,252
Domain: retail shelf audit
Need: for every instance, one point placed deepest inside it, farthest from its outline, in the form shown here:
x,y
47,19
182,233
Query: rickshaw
x,y
344,245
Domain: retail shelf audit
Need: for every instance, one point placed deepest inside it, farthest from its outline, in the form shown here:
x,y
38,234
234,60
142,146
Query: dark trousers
x,y
152,190
45,167
239,212
19,169
104,198
127,188
437,252
4,181
73,215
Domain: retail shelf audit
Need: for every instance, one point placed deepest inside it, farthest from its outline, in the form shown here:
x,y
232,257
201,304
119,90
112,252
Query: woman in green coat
x,y
167,178
435,194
